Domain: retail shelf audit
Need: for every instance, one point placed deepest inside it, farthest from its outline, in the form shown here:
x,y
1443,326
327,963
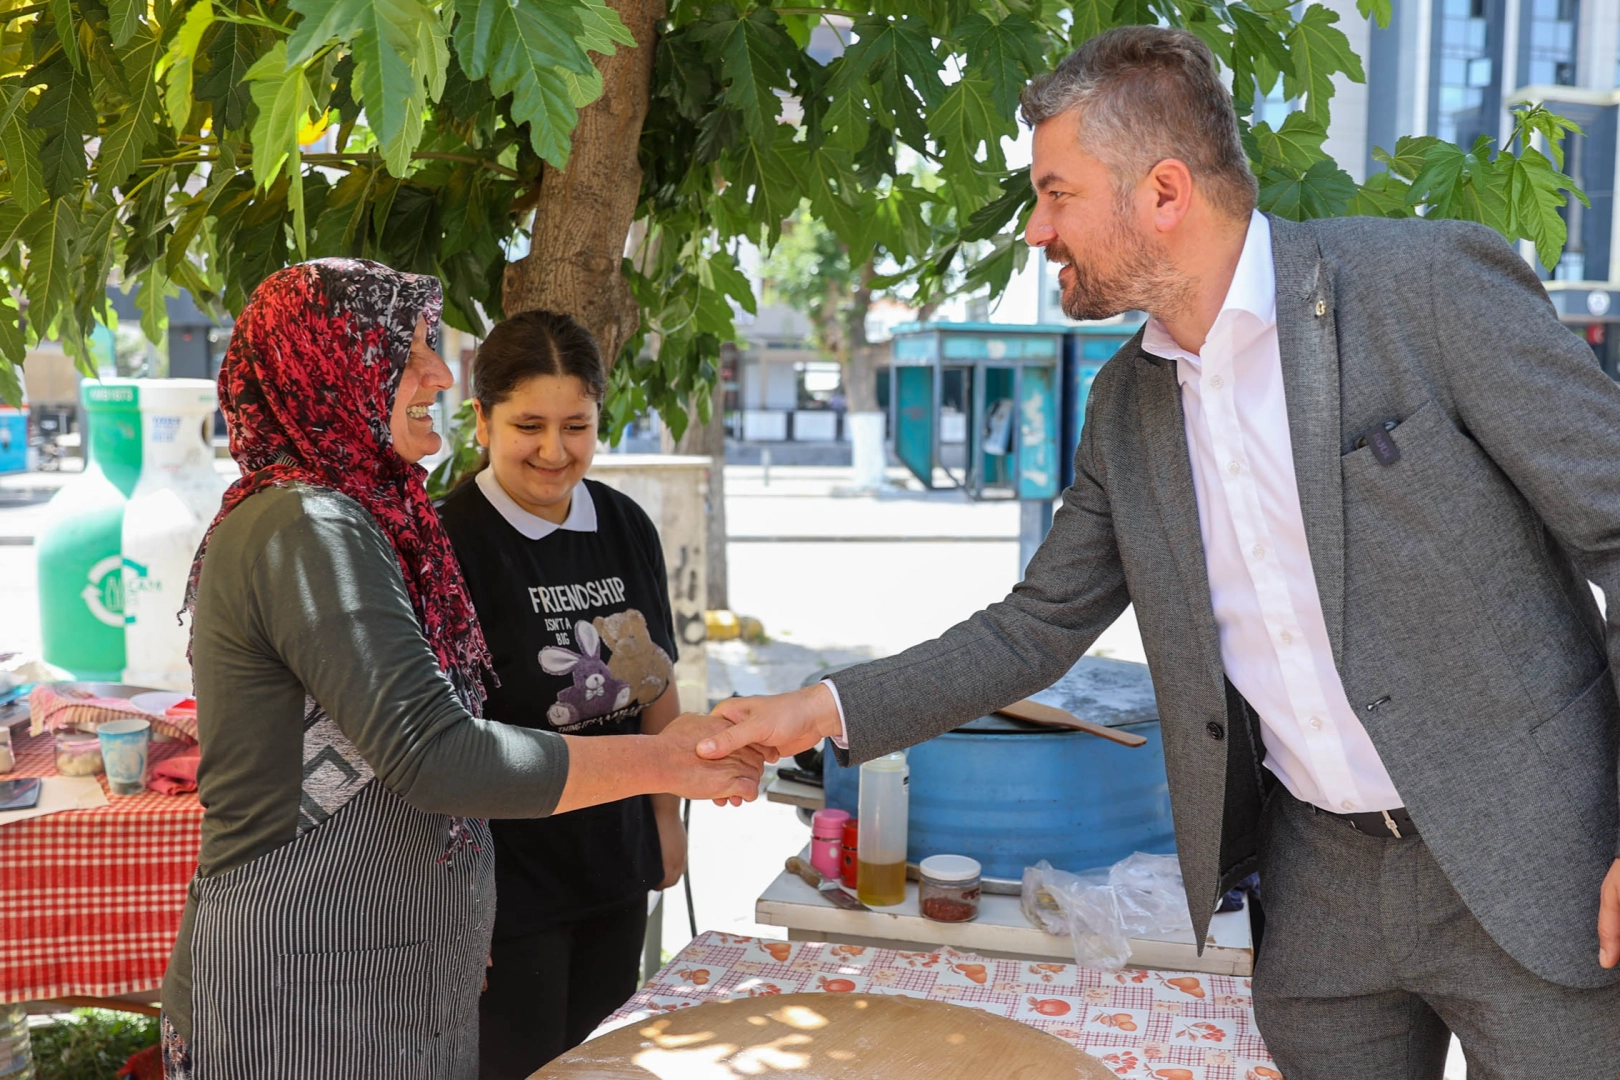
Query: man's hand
x,y
777,726
733,775
1609,919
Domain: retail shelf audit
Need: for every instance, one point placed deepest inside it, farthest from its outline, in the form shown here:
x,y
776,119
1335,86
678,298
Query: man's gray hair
x,y
1142,94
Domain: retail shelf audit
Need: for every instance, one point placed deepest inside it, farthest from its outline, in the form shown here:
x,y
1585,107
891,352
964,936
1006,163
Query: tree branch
x,y
342,159
437,155
822,12
23,12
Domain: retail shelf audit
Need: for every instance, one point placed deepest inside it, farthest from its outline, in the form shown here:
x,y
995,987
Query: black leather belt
x,y
1395,823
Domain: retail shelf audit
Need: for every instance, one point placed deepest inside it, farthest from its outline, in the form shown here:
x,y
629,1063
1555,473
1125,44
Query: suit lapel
x,y
1308,342
1164,433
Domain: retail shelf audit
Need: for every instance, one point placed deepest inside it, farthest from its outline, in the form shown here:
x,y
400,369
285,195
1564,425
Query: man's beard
x,y
1138,278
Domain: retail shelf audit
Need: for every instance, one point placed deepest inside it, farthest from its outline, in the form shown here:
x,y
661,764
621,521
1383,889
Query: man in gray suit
x,y
1355,478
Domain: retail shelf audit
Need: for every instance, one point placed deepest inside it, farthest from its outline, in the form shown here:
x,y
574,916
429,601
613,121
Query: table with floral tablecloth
x,y
90,900
1153,1025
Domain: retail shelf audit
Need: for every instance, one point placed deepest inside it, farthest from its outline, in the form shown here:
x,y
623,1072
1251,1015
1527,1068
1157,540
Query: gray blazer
x,y
1453,581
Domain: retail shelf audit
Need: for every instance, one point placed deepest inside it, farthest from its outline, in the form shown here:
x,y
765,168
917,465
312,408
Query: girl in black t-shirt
x,y
568,578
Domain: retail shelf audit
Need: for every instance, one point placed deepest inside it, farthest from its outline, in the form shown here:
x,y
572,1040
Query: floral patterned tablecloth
x,y
1153,1025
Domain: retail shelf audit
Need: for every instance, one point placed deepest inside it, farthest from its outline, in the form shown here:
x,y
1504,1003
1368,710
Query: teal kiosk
x,y
1086,348
1008,382
1022,390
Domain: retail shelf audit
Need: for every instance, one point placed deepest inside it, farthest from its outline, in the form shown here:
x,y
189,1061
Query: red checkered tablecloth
x,y
1144,1025
90,900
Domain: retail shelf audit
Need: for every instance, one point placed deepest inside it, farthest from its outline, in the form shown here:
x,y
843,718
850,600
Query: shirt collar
x,y
581,510
1253,292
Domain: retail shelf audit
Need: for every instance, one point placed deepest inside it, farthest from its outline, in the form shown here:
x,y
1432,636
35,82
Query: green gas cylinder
x,y
81,578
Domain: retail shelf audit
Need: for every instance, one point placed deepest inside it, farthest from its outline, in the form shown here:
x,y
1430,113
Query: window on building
x,y
1465,65
1551,28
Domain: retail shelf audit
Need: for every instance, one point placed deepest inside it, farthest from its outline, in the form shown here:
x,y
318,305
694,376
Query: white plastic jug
x,y
175,498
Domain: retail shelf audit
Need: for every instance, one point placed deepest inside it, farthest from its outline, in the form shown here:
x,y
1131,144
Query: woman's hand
x,y
609,767
671,838
734,777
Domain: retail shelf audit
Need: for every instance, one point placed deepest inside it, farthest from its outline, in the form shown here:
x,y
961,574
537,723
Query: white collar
x,y
1253,292
581,510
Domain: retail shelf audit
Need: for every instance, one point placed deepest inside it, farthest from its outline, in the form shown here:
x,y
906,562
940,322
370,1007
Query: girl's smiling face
x,y
541,438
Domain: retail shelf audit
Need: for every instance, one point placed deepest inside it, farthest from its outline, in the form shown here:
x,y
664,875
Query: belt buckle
x,y
1390,823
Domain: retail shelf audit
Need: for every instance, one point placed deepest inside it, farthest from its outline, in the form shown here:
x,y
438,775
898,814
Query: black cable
x,y
686,823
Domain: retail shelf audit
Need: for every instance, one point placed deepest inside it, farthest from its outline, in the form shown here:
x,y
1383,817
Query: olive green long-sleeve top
x,y
301,597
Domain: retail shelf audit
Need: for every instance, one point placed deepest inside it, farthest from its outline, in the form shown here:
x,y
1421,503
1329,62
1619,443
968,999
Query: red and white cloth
x,y
51,708
90,900
1144,1025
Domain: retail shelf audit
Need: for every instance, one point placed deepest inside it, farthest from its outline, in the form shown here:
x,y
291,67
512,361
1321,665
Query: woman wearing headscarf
x,y
339,922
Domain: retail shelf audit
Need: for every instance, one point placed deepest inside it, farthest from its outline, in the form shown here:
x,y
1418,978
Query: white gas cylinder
x,y
175,498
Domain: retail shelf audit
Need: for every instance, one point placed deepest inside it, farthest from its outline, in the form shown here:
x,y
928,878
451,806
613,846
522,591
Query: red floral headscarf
x,y
308,388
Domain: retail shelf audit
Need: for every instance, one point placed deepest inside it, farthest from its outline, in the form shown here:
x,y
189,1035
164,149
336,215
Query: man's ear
x,y
1171,185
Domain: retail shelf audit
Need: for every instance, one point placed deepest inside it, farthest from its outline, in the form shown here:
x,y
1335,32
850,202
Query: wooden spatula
x,y
1036,713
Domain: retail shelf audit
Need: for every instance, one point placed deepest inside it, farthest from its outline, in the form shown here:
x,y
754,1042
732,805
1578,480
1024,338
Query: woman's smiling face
x,y
541,439
425,375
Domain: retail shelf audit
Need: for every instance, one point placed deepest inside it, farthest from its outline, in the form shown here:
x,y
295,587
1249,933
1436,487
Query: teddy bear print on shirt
x,y
633,655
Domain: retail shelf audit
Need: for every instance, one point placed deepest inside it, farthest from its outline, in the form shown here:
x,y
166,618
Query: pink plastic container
x,y
826,842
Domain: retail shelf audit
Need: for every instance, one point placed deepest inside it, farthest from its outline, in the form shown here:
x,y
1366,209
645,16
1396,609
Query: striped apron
x,y
355,951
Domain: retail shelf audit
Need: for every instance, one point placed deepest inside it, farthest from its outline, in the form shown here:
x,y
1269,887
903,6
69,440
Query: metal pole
x,y
1034,519
652,948
1015,435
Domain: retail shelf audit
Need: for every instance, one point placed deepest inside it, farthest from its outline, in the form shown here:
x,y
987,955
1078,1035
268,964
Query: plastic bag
x,y
1102,910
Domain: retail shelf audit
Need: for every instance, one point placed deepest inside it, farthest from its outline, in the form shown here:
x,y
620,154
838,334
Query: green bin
x,y
80,552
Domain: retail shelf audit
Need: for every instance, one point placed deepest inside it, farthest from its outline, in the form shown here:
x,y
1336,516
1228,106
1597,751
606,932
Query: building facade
x,y
1456,68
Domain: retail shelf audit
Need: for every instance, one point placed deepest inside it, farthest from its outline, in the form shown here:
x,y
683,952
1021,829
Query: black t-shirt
x,y
579,625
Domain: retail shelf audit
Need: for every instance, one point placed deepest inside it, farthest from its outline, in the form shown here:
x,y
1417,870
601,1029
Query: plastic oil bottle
x,y
168,511
16,1060
884,810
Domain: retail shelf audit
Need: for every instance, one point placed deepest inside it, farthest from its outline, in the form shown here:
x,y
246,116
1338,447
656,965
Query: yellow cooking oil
x,y
880,884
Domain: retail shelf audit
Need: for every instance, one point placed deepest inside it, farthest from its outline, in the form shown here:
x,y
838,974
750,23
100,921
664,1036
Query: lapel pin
x,y
1321,308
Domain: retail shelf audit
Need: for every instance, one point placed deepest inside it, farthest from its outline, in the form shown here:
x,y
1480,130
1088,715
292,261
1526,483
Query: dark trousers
x,y
1371,961
548,990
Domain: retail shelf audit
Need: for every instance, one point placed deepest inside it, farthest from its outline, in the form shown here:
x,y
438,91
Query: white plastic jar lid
x,y
949,867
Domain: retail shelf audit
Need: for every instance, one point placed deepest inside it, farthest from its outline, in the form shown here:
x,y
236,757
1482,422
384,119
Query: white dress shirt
x,y
1274,641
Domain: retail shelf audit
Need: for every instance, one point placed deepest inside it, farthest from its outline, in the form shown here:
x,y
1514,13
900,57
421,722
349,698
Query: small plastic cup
x,y
125,749
77,754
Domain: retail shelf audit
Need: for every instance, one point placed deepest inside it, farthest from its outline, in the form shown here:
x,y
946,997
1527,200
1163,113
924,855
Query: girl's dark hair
x,y
536,343
528,344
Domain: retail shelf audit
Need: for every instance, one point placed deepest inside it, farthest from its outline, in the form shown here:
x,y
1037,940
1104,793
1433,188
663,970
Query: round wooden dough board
x,y
825,1037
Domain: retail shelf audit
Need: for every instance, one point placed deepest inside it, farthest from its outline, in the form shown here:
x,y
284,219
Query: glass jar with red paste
x,y
948,888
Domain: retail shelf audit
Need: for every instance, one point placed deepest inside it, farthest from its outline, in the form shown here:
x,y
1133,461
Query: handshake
x,y
722,755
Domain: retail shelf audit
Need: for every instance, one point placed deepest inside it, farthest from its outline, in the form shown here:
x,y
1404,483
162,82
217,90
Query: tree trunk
x,y
585,211
860,373
709,440
864,421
